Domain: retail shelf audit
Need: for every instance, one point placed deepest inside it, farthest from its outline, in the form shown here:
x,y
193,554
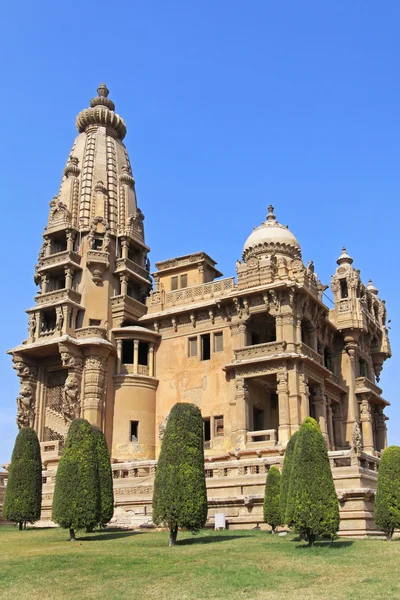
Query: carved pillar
x,y
337,426
119,355
305,396
94,384
47,246
366,424
313,338
44,284
150,360
69,275
329,414
283,403
289,331
70,241
381,430
319,402
124,285
135,355
71,359
26,400
351,349
124,249
241,401
242,334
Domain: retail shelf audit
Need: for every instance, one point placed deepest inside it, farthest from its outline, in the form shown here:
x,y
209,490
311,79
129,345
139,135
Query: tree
x,y
387,501
312,504
105,478
23,498
286,473
272,509
76,501
180,495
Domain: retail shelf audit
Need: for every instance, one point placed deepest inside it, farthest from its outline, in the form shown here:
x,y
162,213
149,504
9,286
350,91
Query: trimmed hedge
x,y
387,501
76,501
105,477
23,498
272,509
180,496
312,504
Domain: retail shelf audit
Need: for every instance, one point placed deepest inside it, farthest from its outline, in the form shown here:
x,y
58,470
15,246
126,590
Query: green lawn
x,y
42,564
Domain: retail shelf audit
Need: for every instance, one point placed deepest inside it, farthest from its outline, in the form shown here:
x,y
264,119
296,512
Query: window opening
x,y
193,346
218,426
174,283
134,431
184,281
344,292
218,342
207,432
127,352
205,347
143,353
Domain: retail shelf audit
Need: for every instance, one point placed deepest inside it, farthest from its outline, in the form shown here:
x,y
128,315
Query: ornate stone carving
x,y
26,406
356,439
95,376
71,397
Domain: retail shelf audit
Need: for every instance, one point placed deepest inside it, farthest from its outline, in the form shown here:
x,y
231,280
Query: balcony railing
x,y
129,265
363,384
128,369
260,350
195,293
59,258
310,353
58,296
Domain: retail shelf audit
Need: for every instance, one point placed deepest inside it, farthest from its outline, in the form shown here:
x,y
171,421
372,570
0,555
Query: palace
x,y
113,343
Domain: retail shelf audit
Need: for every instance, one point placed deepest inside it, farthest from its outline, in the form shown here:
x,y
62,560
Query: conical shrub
x,y
387,501
105,477
23,498
286,474
272,508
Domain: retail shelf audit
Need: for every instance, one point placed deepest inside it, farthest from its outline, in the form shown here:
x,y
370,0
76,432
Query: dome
x,y
271,236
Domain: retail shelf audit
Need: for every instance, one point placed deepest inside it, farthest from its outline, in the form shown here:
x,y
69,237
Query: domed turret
x,y
271,237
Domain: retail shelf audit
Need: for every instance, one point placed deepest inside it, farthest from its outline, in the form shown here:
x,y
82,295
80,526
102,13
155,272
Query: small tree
x,y
312,504
105,478
272,509
180,496
286,474
23,498
387,502
76,501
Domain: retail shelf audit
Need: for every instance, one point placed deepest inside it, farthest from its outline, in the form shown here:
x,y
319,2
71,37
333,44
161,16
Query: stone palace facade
x,y
113,343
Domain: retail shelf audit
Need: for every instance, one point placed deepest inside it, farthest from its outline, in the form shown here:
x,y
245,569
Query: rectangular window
x,y
174,283
344,292
134,431
218,342
207,432
218,426
193,346
143,353
183,281
127,352
205,346
97,243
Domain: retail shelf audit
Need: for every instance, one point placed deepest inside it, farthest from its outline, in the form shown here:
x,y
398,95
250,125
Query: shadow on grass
x,y
338,545
106,535
209,539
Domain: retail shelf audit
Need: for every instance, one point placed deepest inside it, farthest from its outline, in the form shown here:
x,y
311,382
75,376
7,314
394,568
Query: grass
x,y
42,564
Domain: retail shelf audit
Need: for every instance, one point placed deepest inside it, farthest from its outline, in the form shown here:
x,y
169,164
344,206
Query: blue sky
x,y
230,106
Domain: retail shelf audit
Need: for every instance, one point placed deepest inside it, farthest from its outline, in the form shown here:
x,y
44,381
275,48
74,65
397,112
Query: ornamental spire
x,y
101,113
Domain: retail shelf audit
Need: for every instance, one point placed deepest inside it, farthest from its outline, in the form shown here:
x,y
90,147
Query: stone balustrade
x,y
260,350
59,258
195,293
310,353
364,384
267,437
58,296
123,264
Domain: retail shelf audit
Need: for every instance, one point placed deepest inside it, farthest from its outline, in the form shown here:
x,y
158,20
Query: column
x,y
366,424
313,338
119,355
351,349
124,249
45,283
47,250
381,431
337,426
283,404
330,425
240,415
124,285
150,360
319,402
242,335
70,241
135,355
95,384
69,274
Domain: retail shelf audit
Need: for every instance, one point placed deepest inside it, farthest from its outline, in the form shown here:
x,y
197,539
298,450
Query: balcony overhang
x,y
365,386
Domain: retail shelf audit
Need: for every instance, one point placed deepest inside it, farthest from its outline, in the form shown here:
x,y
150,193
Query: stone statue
x,y
32,326
162,426
71,404
356,438
25,406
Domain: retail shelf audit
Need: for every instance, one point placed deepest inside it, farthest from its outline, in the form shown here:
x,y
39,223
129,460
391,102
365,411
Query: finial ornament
x,y
270,215
344,258
102,90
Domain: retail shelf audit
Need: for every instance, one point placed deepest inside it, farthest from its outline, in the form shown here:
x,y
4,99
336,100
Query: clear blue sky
x,y
230,106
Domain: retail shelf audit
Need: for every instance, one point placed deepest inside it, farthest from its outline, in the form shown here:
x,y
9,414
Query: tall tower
x,y
93,278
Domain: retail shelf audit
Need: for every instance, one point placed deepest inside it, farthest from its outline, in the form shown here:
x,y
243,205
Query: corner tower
x,y
93,278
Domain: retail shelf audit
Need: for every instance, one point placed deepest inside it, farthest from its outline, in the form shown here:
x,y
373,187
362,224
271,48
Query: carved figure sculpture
x,y
25,406
71,397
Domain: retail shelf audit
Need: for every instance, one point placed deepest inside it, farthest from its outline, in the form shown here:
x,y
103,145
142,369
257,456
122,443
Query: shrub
x,y
272,509
387,501
105,478
312,504
23,498
76,502
286,473
180,496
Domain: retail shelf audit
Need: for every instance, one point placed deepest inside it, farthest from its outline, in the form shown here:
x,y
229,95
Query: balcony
x,y
124,308
66,258
265,438
58,297
310,353
161,300
131,268
270,349
128,369
366,386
